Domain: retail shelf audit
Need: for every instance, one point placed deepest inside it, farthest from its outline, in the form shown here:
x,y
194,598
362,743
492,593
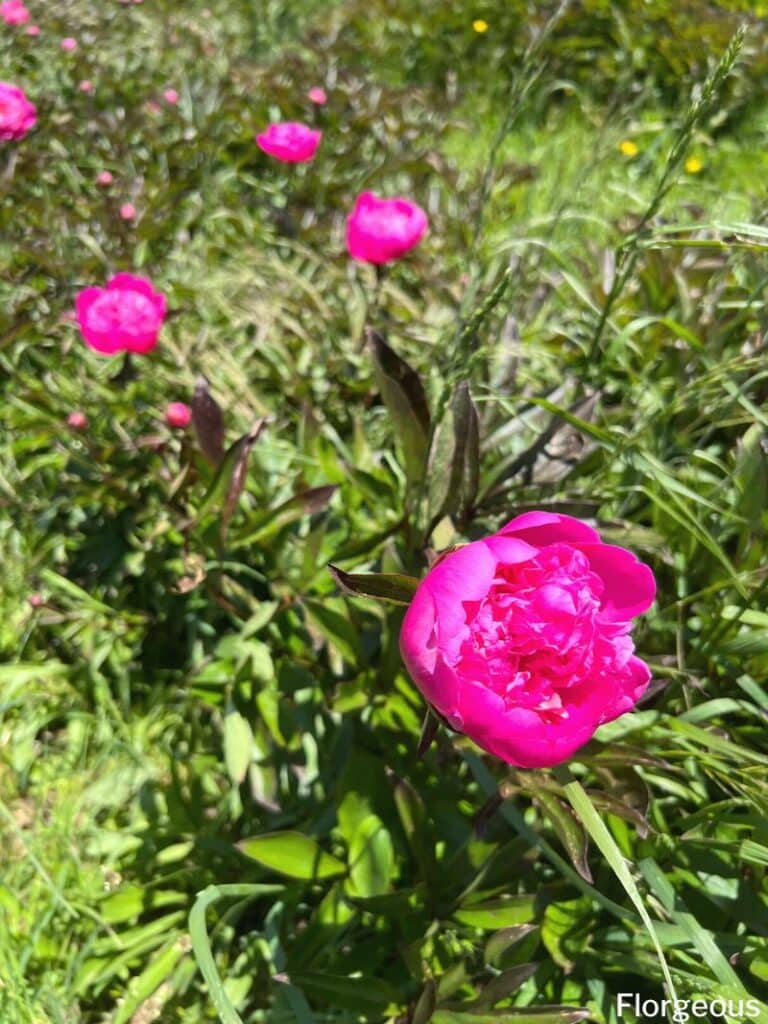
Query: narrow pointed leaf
x,y
292,854
208,422
387,586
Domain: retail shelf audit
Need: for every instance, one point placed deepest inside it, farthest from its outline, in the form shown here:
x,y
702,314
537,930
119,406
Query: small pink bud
x,y
318,95
36,600
33,30
86,85
178,414
104,178
77,420
68,43
171,96
128,211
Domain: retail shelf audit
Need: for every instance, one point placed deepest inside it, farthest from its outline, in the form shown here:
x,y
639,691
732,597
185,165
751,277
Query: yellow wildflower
x,y
693,165
628,147
479,25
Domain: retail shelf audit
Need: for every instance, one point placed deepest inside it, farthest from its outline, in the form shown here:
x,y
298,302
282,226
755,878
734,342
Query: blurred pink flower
x,y
104,178
381,230
36,600
125,316
33,30
289,141
521,639
317,95
171,96
17,114
77,420
178,414
128,211
68,43
13,12
86,85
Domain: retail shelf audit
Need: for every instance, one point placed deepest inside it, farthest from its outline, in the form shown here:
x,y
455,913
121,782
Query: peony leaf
x,y
371,858
386,586
569,829
498,913
529,1015
238,744
406,401
425,1004
208,422
360,994
293,854
239,470
454,458
224,481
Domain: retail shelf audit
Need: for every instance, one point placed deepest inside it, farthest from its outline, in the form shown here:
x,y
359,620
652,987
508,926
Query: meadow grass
x,y
193,680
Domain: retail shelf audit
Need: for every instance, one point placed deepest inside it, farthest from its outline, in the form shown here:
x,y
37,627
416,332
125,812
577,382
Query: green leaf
x,y
453,464
605,842
499,913
142,987
362,994
239,471
425,1004
293,854
504,984
371,858
406,401
222,484
238,744
201,944
384,585
538,1015
569,829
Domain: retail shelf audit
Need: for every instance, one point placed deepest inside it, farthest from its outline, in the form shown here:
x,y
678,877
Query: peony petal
x,y
542,528
629,583
509,550
632,686
417,636
464,575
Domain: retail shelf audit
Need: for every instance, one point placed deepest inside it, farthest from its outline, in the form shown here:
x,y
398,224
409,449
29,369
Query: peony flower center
x,y
384,221
126,310
537,633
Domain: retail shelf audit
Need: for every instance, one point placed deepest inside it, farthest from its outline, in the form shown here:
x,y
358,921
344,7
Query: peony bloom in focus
x,y
178,414
13,12
289,141
521,640
317,95
125,316
380,230
17,114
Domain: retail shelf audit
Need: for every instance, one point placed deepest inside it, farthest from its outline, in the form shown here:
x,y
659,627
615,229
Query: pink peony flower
x,y
68,44
13,12
86,85
17,114
33,30
125,316
171,96
77,420
290,142
128,211
381,230
178,414
104,178
317,95
521,640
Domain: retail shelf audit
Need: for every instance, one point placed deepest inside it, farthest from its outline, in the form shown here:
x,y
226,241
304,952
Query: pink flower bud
x,y
86,85
77,420
33,30
104,178
318,95
178,415
128,211
171,96
36,600
69,44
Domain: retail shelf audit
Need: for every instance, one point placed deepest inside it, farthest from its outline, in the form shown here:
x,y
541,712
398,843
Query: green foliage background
x,y
195,681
